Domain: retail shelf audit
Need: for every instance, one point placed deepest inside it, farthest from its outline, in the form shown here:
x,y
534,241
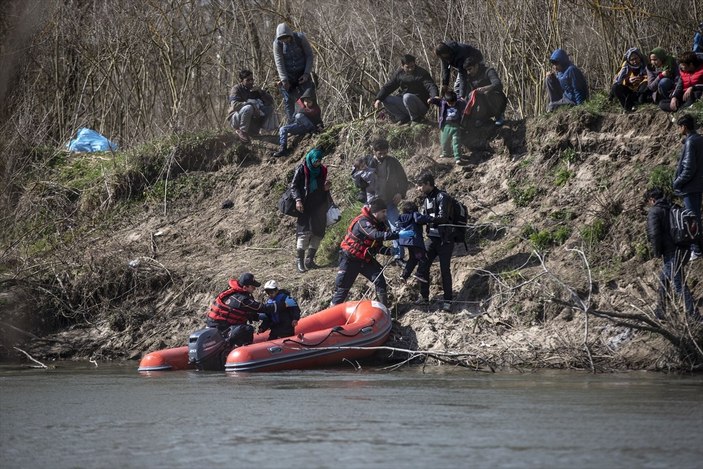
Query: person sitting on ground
x,y
689,84
282,322
308,119
663,246
294,60
364,239
486,93
566,84
630,83
415,87
451,111
453,55
661,74
688,179
365,179
437,207
233,308
249,107
411,219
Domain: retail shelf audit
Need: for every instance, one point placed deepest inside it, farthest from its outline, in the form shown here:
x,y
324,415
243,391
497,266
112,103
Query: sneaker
x,y
695,255
447,306
500,120
457,161
243,136
419,279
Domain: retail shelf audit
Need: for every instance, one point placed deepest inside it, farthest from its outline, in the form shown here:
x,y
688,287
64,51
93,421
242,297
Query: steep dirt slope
x,y
557,223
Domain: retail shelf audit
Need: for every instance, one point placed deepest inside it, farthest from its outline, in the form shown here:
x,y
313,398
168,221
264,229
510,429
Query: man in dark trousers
x,y
663,246
688,182
415,87
236,306
364,239
439,243
453,55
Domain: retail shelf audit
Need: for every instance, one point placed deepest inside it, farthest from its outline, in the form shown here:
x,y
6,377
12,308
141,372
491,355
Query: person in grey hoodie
x,y
294,59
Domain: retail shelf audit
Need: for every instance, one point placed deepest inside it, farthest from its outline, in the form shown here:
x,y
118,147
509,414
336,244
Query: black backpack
x,y
459,217
684,227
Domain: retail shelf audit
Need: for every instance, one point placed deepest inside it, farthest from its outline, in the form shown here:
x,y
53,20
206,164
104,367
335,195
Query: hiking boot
x,y
280,153
447,306
301,261
695,255
243,136
310,260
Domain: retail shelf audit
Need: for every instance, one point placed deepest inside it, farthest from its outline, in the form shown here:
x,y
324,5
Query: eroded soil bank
x,y
137,248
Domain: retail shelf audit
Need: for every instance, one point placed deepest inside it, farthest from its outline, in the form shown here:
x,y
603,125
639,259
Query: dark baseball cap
x,y
247,279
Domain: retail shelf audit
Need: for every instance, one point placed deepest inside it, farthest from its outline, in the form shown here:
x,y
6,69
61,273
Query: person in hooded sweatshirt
x,y
566,84
307,120
294,59
630,83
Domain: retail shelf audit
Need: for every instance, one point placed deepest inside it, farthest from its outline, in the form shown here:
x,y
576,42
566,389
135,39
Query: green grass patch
x,y
594,233
562,176
522,195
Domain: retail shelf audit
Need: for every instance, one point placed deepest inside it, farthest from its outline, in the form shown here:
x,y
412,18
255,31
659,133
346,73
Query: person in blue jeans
x,y
674,257
391,182
688,181
307,120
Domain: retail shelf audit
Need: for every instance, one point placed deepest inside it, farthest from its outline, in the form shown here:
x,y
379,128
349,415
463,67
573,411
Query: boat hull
x,y
328,337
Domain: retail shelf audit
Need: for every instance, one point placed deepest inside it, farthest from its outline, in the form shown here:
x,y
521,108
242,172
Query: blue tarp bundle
x,y
88,140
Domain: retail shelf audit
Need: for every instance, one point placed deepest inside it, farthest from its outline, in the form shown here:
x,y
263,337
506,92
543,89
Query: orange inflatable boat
x,y
344,331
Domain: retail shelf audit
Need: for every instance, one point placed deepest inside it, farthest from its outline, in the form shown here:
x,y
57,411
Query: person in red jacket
x,y
235,307
364,239
689,83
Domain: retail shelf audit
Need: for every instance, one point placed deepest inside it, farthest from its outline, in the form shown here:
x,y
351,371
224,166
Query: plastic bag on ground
x,y
88,140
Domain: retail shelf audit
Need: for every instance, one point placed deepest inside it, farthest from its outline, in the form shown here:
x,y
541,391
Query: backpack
x,y
286,204
683,227
459,216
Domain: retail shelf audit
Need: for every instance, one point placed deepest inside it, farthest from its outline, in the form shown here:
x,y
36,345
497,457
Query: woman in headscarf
x,y
310,188
661,74
630,84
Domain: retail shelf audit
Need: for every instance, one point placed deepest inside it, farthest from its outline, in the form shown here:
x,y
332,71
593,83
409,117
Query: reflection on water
x,y
80,416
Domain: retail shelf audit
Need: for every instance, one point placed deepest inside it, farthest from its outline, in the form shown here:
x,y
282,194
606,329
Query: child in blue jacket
x,y
411,219
282,322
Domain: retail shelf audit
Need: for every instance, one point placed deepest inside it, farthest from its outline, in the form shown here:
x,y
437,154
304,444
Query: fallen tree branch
x,y
41,365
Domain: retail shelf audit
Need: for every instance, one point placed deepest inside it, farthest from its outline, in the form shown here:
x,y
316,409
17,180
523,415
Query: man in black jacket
x,y
416,87
688,182
453,55
437,206
663,246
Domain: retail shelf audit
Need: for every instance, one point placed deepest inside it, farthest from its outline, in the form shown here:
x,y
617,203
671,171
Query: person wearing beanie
x,y
364,239
310,188
307,120
233,308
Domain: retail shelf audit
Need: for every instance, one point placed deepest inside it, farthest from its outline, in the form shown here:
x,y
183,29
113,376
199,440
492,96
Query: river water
x,y
78,415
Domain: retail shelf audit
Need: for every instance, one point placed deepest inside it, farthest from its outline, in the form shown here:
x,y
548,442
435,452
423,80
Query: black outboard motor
x,y
207,349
